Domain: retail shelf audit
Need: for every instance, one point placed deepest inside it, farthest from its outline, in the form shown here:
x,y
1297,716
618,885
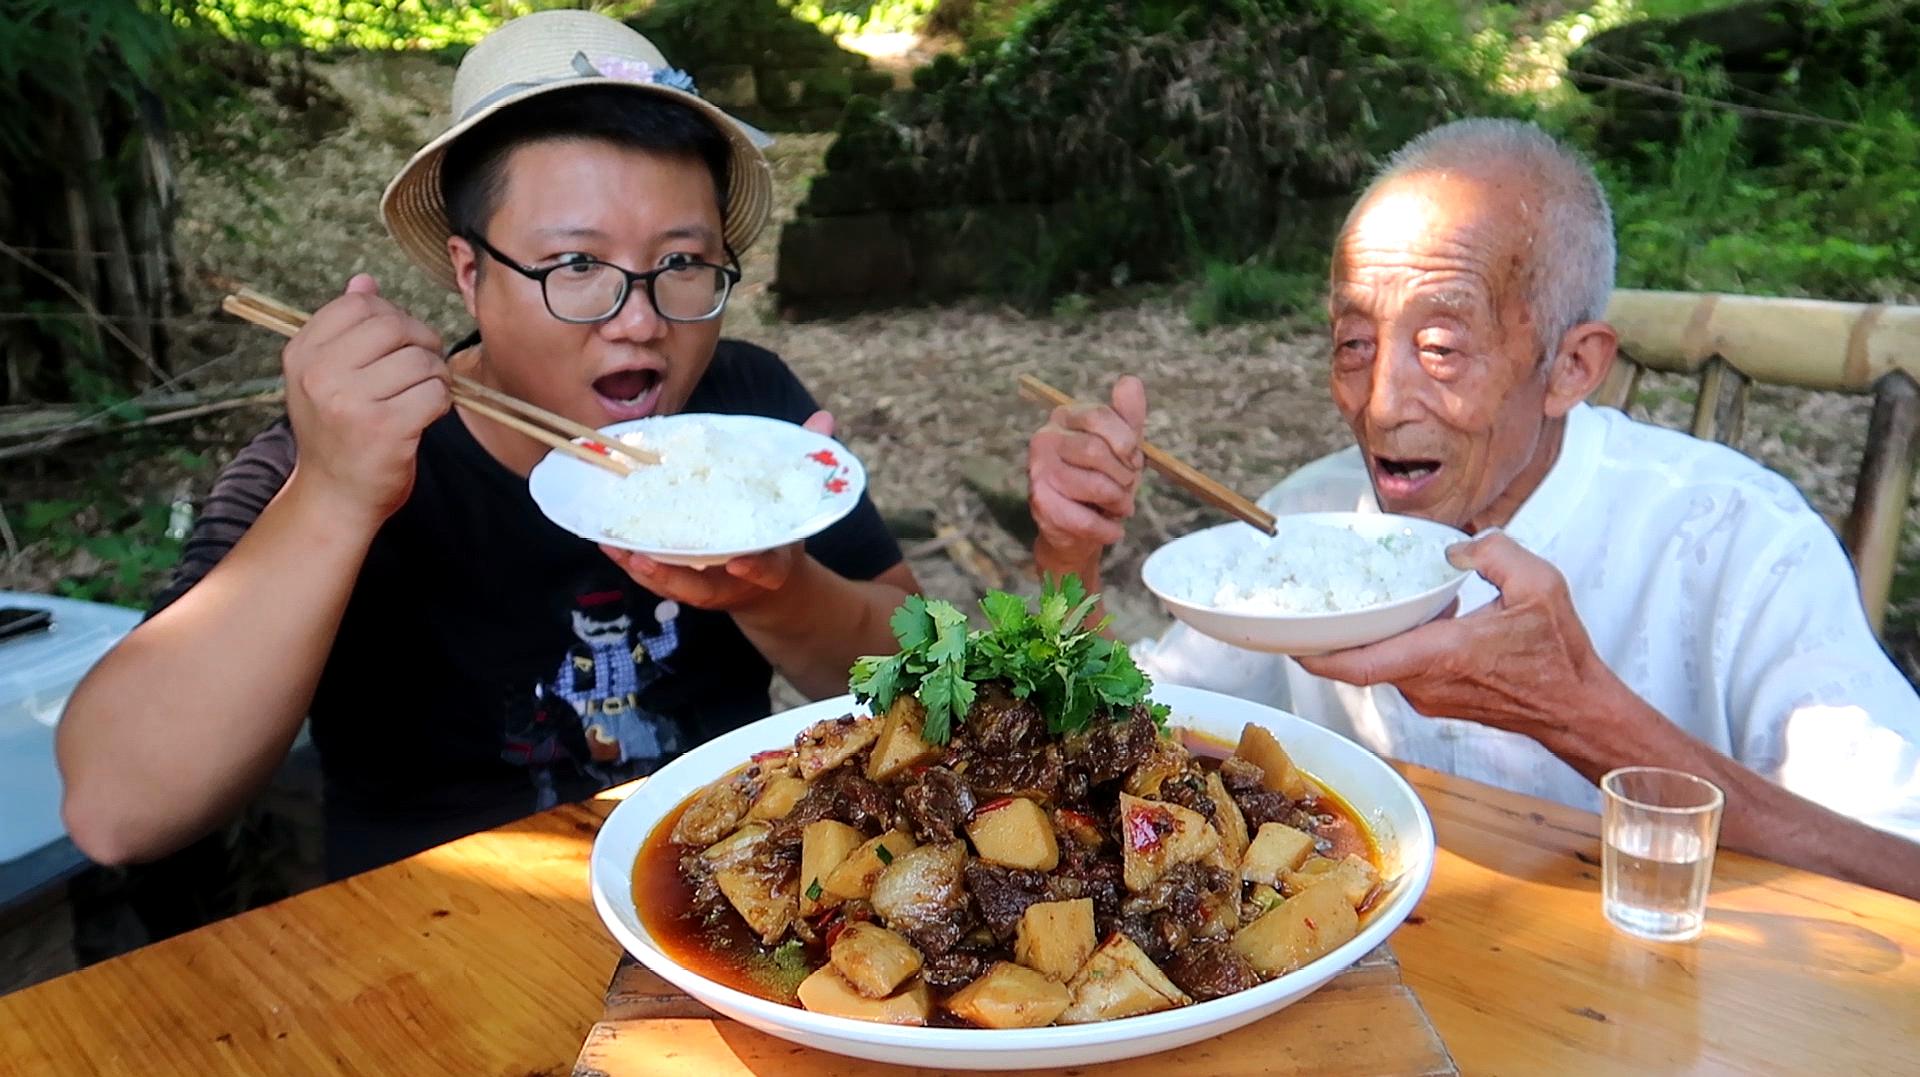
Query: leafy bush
x,y
1155,132
864,16
1231,293
364,24
1761,203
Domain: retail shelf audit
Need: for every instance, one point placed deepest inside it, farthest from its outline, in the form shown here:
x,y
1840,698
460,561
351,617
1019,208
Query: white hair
x,y
1572,249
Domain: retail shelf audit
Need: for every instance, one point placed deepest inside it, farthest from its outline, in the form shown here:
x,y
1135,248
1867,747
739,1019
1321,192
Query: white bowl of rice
x,y
726,486
1327,581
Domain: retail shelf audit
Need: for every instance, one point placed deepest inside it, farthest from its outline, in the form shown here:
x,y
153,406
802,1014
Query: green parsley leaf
x,y
947,695
1047,653
1006,613
912,624
877,680
951,644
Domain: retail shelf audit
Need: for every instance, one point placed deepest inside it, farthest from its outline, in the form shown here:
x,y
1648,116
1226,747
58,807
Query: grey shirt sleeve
x,y
239,495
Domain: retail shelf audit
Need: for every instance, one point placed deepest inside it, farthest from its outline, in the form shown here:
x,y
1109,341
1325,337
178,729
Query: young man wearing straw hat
x,y
463,660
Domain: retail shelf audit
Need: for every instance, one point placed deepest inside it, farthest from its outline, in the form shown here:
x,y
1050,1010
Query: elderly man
x,y
1642,597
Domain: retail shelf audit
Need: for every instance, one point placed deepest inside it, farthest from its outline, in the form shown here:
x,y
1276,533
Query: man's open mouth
x,y
628,394
1407,469
1401,481
627,386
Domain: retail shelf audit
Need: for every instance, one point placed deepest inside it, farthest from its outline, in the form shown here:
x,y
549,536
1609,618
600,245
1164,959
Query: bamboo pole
x,y
1881,494
1807,343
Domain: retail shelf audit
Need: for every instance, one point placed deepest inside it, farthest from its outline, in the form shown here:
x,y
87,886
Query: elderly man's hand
x,y
1082,470
1522,663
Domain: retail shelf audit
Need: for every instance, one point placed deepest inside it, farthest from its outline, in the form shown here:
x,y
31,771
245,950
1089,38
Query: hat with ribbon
x,y
555,52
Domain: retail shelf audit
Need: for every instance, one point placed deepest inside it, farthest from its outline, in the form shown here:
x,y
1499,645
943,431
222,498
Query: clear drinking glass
x,y
1659,834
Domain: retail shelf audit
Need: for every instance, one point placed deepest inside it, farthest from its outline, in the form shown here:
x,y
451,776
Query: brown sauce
x,y
729,953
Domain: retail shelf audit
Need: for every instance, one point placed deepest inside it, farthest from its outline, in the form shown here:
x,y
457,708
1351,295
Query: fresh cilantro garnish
x,y
1049,654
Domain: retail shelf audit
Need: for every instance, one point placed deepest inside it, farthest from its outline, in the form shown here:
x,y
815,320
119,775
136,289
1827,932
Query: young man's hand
x,y
364,381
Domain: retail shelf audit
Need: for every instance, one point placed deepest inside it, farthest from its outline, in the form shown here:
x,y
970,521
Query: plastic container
x,y
37,674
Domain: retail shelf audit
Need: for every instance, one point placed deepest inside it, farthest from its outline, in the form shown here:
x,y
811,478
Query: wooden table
x,y
485,957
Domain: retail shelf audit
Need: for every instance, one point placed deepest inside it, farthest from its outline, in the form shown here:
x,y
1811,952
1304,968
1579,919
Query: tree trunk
x,y
86,263
122,289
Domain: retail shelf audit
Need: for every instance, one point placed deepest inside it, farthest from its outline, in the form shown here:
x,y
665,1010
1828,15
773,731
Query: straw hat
x,y
551,51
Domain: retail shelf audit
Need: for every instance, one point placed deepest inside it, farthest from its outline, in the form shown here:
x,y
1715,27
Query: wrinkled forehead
x,y
1459,236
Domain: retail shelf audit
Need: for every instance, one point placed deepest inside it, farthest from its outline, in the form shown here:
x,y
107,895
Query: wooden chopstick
x,y
476,392
543,426
547,437
1210,490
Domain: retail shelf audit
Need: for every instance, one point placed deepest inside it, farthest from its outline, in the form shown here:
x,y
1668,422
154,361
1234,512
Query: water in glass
x,y
1655,880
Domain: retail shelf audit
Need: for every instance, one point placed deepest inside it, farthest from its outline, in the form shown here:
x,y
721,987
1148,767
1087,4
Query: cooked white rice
x,y
1314,568
713,490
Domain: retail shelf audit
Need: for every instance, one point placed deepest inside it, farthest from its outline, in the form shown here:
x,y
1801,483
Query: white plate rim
x,y
558,467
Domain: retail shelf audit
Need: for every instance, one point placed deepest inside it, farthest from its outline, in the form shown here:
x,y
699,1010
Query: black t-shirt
x,y
489,663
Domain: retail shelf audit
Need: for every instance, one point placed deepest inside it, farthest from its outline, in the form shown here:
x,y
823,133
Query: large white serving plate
x,y
1299,633
579,496
1385,802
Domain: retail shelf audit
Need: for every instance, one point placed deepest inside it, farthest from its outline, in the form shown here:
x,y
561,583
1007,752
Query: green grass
x,y
1235,293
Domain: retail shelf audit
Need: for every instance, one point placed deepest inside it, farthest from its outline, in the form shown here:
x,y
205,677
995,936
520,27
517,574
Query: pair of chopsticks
x,y
1208,489
556,431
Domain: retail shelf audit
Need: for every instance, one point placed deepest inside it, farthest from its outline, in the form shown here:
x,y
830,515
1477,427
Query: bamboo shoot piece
x,y
900,746
874,960
1009,996
1055,937
778,798
1302,928
1155,836
1277,850
1016,833
1258,747
824,845
826,991
855,876
1119,981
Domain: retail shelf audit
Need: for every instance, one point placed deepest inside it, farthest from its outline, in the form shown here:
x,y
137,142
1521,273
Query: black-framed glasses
x,y
587,291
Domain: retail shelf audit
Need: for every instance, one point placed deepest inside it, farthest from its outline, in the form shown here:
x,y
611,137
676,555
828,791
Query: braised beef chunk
x,y
1000,724
1189,790
1137,928
1261,806
1202,900
1112,749
954,970
1169,934
922,894
709,904
1085,874
1209,970
1003,894
1037,774
1241,776
843,794
936,805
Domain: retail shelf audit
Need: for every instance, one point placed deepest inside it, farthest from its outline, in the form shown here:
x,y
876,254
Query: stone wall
x,y
754,59
858,260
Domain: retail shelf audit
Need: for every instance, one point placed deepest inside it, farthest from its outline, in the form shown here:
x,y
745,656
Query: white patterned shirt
x,y
1707,584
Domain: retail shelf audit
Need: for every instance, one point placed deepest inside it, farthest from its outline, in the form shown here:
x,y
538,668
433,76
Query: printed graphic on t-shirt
x,y
589,712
